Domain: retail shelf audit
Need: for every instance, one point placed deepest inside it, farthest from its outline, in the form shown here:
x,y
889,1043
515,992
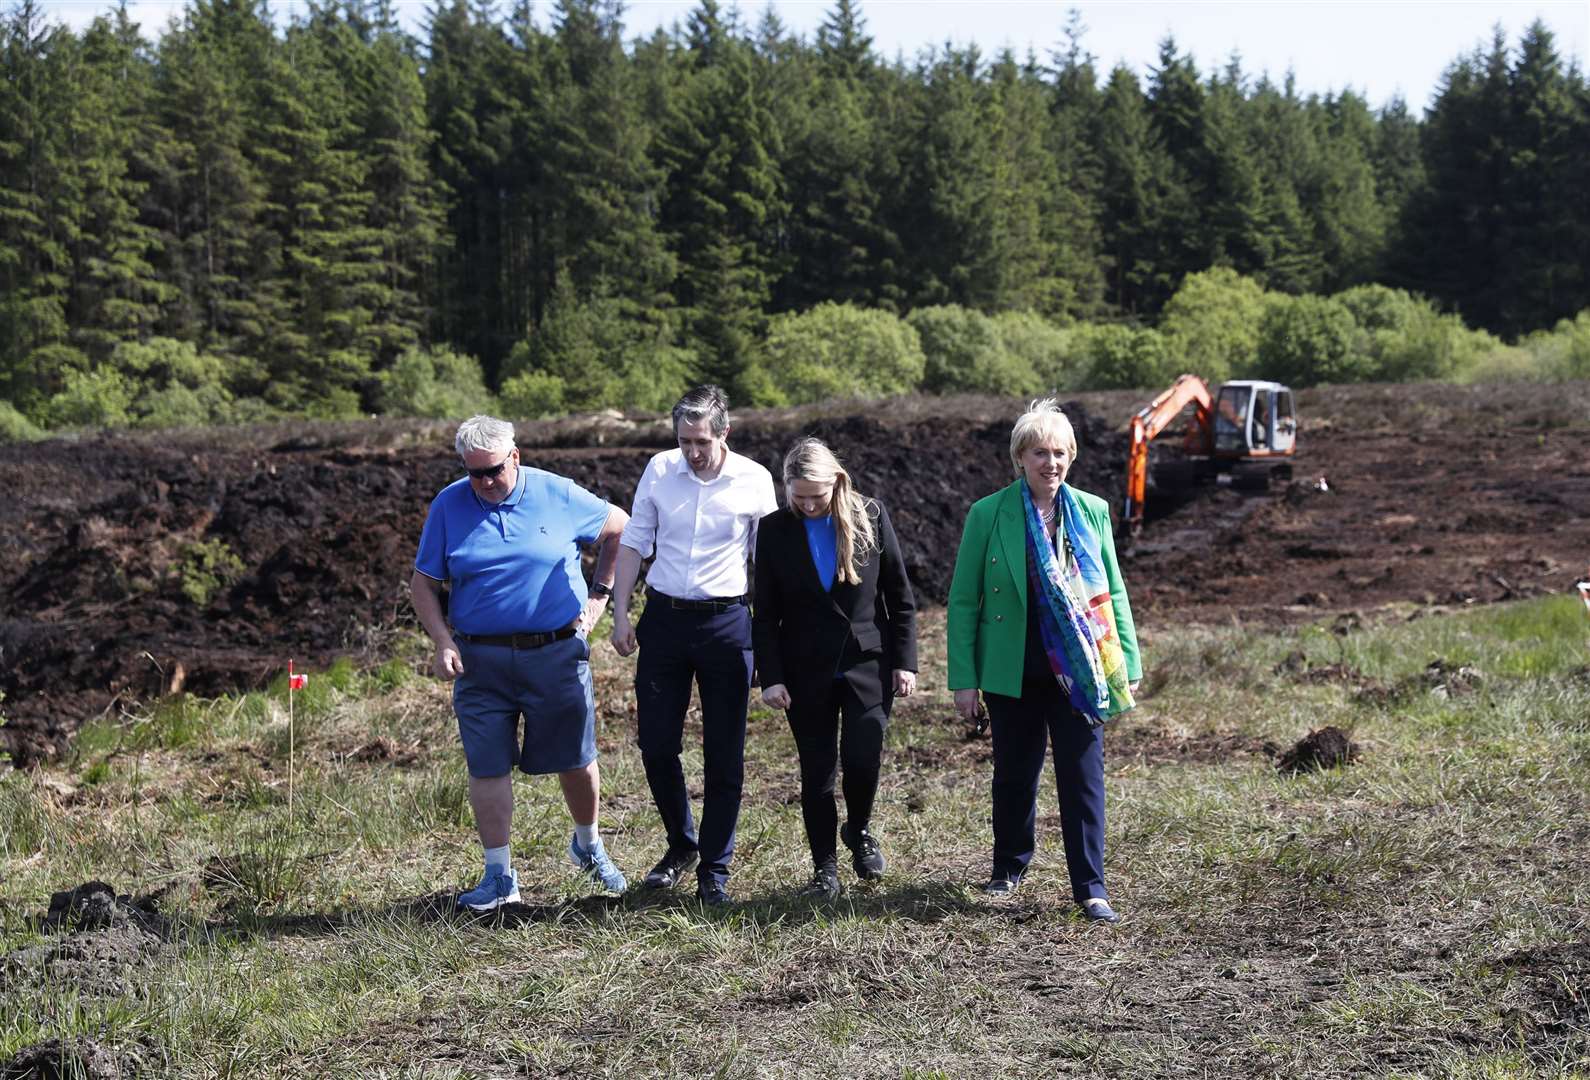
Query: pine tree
x,y
117,293
1545,217
724,196
1137,178
34,262
1071,221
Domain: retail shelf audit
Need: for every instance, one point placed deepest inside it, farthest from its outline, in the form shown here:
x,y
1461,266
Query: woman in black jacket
x,y
835,637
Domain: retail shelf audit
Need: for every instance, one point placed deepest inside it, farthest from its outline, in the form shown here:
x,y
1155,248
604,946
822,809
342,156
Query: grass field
x,y
1422,912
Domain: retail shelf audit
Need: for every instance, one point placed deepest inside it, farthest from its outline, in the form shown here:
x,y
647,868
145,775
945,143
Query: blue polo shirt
x,y
513,567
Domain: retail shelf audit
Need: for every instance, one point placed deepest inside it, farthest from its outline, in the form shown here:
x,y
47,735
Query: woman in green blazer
x,y
1039,622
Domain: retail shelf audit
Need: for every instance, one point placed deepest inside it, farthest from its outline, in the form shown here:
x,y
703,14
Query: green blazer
x,y
986,621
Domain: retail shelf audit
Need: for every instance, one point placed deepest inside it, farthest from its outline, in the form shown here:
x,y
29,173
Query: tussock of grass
x,y
1419,913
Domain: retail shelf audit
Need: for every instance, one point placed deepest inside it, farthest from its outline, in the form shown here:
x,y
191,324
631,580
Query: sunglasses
x,y
490,472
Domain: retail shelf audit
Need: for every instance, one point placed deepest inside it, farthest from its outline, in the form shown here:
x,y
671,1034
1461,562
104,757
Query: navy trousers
x,y
711,649
1020,728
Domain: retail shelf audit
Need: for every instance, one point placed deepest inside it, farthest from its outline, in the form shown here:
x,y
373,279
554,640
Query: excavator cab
x,y
1254,419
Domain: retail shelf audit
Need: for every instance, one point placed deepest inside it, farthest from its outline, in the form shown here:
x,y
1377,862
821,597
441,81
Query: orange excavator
x,y
1249,425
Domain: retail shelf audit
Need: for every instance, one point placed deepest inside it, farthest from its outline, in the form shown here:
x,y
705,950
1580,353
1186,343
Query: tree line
x,y
331,217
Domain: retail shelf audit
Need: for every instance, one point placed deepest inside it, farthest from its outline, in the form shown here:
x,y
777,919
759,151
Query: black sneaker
x,y
711,894
864,854
824,884
672,867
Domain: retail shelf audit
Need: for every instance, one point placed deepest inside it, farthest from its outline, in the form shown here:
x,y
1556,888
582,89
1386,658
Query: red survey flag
x,y
295,681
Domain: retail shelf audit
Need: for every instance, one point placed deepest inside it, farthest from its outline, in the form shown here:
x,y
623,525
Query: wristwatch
x,y
598,589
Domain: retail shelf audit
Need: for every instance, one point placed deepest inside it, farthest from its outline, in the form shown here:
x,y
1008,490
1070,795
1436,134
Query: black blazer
x,y
805,635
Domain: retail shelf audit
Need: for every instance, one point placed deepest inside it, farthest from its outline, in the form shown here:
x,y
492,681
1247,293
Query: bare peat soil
x,y
1436,495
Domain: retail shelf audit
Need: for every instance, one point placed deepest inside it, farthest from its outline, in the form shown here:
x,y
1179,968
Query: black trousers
x,y
834,730
1021,726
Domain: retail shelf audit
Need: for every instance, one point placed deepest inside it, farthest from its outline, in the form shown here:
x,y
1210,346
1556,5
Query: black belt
x,y
517,641
716,603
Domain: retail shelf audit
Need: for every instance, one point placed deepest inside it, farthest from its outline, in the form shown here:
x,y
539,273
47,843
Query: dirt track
x,y
1437,496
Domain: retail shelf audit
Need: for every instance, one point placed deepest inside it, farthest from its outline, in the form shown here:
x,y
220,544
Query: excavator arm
x,y
1149,422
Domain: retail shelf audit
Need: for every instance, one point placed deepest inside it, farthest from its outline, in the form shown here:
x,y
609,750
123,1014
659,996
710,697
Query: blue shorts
x,y
550,687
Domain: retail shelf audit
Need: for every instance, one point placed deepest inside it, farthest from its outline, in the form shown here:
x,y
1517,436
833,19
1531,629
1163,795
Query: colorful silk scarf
x,y
1076,617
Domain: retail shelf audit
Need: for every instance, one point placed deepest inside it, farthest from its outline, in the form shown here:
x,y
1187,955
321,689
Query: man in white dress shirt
x,y
696,510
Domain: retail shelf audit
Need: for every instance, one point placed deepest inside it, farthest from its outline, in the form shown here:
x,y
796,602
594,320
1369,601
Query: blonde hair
x,y
1043,422
854,535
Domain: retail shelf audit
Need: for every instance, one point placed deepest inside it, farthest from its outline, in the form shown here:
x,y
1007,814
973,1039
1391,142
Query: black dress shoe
x,y
712,894
674,865
1098,909
1000,886
865,858
824,884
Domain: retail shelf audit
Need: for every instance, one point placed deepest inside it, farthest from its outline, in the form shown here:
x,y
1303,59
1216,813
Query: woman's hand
x,y
776,696
904,683
1133,687
966,704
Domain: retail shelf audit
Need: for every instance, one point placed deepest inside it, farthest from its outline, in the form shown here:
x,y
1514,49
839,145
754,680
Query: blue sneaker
x,y
495,889
595,864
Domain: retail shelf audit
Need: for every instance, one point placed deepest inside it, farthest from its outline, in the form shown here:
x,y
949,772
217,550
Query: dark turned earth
x,y
1422,513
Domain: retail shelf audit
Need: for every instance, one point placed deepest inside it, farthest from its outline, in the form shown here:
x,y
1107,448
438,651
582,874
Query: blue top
x,y
514,567
820,538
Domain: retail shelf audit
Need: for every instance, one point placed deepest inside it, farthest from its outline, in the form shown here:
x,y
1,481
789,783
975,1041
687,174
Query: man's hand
x,y
623,634
904,683
776,696
594,606
448,665
966,704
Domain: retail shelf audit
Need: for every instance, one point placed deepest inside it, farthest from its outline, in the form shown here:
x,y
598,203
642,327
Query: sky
x,y
1378,48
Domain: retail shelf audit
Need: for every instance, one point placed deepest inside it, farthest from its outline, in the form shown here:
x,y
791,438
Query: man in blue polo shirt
x,y
505,540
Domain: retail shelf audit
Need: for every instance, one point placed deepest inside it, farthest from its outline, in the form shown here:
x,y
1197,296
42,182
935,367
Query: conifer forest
x,y
240,215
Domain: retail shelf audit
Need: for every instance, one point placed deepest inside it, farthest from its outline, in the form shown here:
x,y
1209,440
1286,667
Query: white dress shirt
x,y
701,531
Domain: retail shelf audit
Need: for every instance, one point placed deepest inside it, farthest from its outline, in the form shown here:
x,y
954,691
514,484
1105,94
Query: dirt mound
x,y
1326,748
132,567
70,1059
104,938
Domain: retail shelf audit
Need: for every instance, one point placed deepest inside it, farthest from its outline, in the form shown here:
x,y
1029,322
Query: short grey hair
x,y
704,402
1043,422
483,433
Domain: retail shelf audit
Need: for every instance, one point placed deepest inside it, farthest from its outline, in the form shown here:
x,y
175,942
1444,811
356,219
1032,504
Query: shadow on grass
x,y
922,902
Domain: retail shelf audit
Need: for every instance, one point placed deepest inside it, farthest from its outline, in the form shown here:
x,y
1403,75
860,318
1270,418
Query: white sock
x,y
586,835
500,858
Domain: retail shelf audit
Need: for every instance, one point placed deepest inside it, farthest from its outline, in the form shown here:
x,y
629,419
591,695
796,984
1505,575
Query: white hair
x,y
1043,422
483,433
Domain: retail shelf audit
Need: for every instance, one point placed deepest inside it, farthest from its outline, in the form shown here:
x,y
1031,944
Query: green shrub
x,y
531,395
205,567
1305,340
97,398
15,427
963,354
835,350
1211,324
1128,358
594,354
437,384
1058,356
1563,352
